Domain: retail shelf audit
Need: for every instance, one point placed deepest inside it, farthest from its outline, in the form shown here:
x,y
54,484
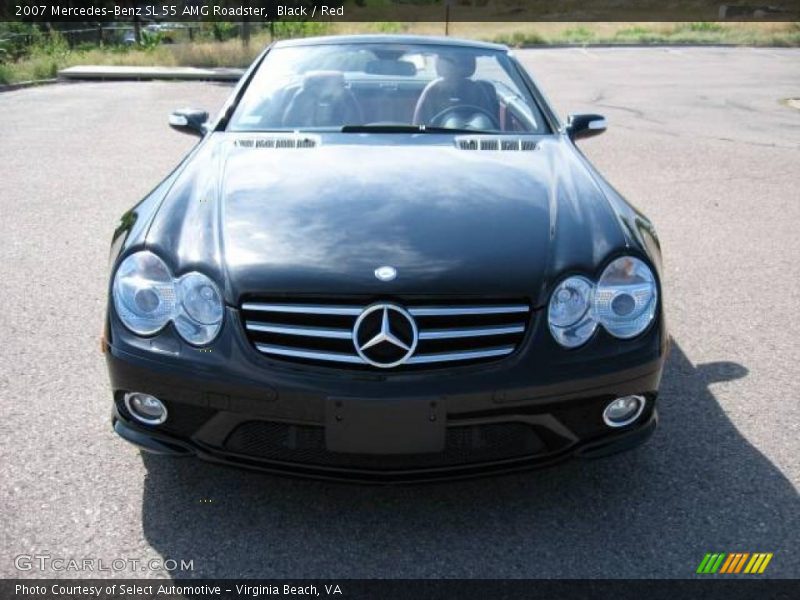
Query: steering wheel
x,y
465,116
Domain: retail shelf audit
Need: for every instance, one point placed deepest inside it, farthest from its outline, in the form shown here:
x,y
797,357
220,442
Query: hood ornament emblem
x,y
385,335
386,273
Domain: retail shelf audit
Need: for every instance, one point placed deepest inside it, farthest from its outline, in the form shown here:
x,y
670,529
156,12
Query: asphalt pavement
x,y
701,139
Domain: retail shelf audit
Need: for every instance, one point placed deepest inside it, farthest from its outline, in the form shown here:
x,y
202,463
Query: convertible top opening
x,y
401,88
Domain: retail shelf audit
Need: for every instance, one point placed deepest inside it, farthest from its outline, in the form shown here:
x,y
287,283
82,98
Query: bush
x,y
634,32
45,68
641,35
51,44
389,26
577,34
705,26
150,40
17,38
223,30
292,29
519,39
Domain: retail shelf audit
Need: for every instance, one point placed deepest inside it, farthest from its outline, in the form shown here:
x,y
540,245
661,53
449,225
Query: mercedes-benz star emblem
x,y
385,335
386,273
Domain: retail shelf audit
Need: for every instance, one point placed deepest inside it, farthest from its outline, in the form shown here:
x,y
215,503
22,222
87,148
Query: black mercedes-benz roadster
x,y
385,259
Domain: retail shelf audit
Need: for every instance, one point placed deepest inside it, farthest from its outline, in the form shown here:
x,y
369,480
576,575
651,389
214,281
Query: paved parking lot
x,y
699,139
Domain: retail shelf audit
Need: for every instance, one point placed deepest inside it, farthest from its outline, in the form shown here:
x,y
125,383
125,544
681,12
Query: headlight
x,y
144,293
626,297
623,301
201,316
570,312
146,297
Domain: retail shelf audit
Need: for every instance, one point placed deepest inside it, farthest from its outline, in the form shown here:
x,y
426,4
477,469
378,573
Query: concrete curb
x,y
103,72
10,87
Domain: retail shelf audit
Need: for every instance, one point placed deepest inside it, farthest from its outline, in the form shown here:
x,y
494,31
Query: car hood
x,y
320,220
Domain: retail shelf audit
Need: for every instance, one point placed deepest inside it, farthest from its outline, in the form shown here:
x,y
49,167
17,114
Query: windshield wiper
x,y
390,128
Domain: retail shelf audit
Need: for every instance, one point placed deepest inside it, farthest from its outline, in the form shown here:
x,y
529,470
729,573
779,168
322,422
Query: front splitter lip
x,y
605,446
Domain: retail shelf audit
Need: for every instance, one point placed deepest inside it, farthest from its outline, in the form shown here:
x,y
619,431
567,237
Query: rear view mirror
x,y
584,126
189,120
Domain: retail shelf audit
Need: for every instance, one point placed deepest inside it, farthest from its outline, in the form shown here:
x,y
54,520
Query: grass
x,y
46,58
45,64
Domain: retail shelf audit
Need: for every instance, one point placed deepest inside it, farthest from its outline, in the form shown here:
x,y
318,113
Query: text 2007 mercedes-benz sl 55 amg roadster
x,y
385,260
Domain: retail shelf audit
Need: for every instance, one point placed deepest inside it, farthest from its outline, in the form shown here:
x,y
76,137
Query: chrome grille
x,y
447,334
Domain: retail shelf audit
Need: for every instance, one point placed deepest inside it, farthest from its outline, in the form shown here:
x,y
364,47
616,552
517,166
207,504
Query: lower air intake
x,y
464,445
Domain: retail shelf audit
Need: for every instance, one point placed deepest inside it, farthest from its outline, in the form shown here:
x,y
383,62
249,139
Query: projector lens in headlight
x,y
570,312
147,296
626,297
144,293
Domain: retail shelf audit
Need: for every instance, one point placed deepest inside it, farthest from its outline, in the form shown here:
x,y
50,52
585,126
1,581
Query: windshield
x,y
387,87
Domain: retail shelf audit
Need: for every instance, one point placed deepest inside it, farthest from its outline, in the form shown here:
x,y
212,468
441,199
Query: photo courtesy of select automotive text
x,y
400,299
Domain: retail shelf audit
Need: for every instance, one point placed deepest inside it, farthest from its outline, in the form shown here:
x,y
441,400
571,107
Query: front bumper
x,y
161,444
231,406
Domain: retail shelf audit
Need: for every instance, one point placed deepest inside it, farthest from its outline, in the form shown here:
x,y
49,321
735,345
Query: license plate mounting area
x,y
380,426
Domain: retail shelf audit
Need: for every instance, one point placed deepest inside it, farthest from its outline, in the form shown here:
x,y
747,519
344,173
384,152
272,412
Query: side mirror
x,y
189,120
584,126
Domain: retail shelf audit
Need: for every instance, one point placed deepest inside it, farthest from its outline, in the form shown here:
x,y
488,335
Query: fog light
x,y
145,408
623,411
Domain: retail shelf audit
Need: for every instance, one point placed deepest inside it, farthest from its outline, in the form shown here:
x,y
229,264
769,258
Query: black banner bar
x,y
713,588
107,11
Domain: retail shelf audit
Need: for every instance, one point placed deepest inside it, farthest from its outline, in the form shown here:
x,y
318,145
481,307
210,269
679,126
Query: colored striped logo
x,y
735,562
